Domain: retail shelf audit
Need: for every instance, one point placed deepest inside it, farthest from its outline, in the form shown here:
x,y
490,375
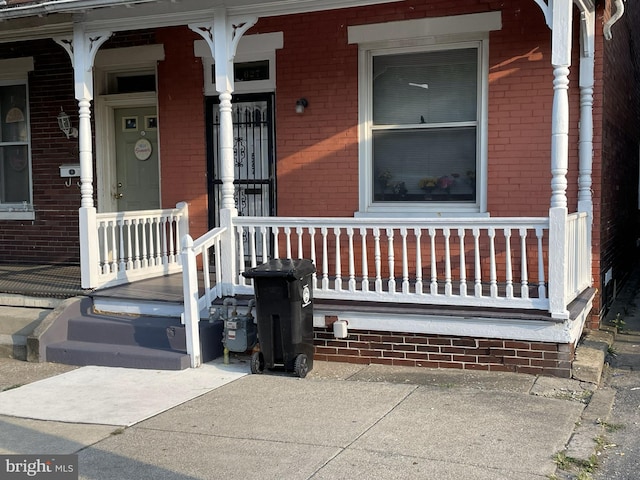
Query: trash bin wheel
x,y
257,362
301,366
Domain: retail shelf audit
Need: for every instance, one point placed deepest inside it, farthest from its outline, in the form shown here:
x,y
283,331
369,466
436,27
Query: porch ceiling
x,y
22,20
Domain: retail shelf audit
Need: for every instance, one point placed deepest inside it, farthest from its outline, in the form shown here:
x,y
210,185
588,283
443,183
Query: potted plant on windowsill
x,y
428,184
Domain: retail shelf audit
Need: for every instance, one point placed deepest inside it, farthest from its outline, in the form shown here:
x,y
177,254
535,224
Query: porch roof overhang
x,y
22,20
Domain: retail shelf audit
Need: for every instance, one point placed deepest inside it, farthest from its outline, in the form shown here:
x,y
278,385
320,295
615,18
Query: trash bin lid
x,y
282,267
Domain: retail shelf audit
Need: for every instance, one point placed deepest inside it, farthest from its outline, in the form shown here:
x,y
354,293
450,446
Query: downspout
x,y
613,19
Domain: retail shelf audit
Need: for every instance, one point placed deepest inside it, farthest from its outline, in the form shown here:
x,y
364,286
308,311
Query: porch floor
x,y
63,281
36,280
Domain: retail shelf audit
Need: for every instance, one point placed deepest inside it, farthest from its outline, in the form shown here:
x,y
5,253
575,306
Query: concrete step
x,y
16,324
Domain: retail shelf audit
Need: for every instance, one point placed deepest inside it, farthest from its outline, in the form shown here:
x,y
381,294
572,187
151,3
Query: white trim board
x,y
568,331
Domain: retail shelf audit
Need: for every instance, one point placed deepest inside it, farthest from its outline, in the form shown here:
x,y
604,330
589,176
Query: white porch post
x,y
82,48
561,60
587,28
585,147
223,35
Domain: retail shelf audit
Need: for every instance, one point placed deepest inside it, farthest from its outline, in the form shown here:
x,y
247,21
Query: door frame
x,y
106,143
268,96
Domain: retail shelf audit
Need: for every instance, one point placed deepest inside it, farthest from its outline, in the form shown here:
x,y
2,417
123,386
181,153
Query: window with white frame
x,y
423,114
15,172
15,142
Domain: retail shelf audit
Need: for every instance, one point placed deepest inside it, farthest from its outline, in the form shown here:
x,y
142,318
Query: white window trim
x,y
15,71
414,36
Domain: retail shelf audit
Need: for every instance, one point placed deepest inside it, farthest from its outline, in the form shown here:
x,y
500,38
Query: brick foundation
x,y
441,351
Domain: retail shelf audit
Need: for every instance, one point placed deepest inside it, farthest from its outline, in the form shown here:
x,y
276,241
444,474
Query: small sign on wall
x,y
143,149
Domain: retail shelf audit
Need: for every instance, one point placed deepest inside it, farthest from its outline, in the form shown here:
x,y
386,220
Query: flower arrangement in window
x,y
444,182
384,178
428,183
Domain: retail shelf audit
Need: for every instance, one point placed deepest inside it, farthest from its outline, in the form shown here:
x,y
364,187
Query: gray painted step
x,y
151,332
90,353
89,338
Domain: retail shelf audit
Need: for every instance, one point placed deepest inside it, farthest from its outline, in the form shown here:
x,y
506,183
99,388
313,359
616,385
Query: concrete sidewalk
x,y
342,421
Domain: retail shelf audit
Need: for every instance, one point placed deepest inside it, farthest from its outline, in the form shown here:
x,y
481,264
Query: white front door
x,y
137,165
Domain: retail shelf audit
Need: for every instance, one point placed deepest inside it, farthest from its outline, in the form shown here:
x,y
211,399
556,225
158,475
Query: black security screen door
x,y
253,152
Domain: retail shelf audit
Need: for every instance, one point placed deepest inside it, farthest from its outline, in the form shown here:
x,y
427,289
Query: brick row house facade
x,y
464,175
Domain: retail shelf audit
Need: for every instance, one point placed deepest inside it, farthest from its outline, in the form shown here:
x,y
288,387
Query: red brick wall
x,y
617,175
53,235
441,351
182,129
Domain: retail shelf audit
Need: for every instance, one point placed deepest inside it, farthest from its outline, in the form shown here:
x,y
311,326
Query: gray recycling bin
x,y
284,312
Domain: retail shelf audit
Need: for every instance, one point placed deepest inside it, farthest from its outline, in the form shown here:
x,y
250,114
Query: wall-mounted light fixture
x,y
301,104
64,122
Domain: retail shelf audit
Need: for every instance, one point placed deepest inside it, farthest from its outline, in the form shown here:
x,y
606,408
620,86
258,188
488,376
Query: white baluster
x,y
405,261
276,247
524,281
477,287
265,251
206,278
365,261
241,254
377,259
299,234
122,225
325,261
542,290
493,282
463,264
102,233
418,234
312,240
508,267
113,261
352,267
287,236
135,224
171,233
448,289
144,241
165,247
158,222
434,271
391,259
338,281
252,246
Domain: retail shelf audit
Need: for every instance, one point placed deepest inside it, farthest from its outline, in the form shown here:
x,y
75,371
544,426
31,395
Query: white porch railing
x,y
578,241
138,244
493,262
197,299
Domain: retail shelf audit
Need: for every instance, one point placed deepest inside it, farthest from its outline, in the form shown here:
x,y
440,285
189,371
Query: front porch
x,y
450,293
435,336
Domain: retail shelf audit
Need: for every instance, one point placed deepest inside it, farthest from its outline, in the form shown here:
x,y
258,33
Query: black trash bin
x,y
284,311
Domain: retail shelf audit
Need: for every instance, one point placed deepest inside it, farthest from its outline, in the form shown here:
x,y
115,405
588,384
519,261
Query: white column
x,y
587,26
223,34
82,49
226,151
561,60
585,146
